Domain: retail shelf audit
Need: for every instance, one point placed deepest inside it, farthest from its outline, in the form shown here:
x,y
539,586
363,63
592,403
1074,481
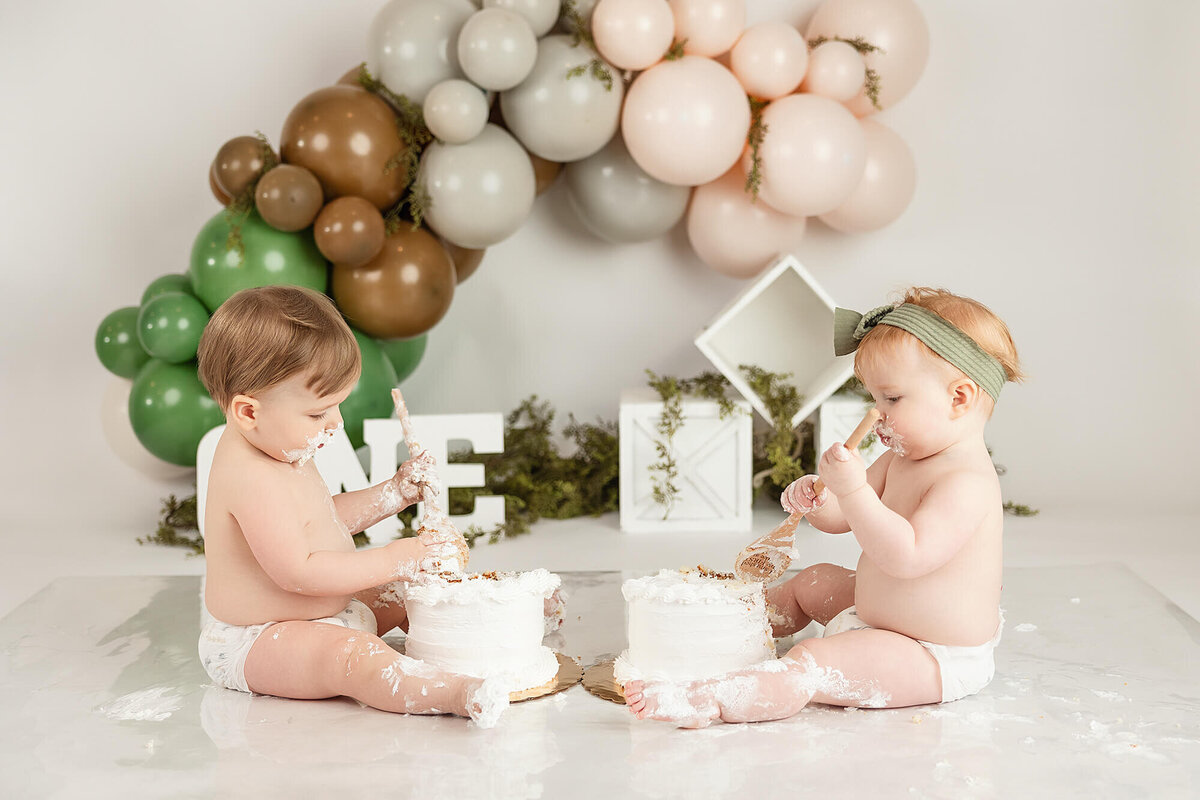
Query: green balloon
x,y
371,397
117,343
405,354
271,257
171,411
173,282
169,326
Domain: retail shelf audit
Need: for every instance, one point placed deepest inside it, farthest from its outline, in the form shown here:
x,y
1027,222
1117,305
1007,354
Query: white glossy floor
x,y
1097,691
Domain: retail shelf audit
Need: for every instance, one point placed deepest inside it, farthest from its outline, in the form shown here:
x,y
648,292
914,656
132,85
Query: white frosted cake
x,y
692,624
485,625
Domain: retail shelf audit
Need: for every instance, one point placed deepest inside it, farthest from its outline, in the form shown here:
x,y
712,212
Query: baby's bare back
x,y
238,590
957,603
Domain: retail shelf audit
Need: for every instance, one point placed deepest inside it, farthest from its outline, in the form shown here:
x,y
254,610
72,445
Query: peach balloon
x,y
632,34
886,187
896,26
735,235
710,27
770,59
836,71
812,155
685,121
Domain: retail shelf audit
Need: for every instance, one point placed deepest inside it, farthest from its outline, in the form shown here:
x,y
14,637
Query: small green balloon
x,y
405,354
270,258
170,411
170,325
371,397
117,344
173,282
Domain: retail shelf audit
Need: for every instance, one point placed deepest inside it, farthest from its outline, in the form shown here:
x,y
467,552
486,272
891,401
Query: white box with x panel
x,y
713,457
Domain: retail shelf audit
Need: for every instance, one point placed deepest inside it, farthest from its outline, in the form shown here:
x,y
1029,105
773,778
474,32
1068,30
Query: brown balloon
x,y
222,197
346,136
351,77
349,231
466,261
238,163
288,197
403,291
544,172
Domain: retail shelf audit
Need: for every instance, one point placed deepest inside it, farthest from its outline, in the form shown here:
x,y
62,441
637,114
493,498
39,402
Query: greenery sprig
x,y
416,136
675,51
581,33
758,132
871,84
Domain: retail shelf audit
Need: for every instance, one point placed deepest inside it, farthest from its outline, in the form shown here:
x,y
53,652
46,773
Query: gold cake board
x,y
569,674
599,680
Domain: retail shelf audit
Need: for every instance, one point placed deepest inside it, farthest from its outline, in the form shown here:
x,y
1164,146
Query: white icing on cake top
x,y
674,586
431,590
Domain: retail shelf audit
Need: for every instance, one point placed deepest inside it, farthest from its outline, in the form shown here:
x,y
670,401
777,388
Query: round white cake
x,y
488,625
692,624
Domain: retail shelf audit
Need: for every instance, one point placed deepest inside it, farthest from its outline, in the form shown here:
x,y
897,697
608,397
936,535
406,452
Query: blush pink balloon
x,y
886,187
710,27
685,121
770,59
733,234
812,155
836,71
897,26
632,34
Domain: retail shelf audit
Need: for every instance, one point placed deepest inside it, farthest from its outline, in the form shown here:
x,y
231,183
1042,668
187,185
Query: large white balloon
x,y
541,14
562,118
479,192
413,44
118,432
813,155
616,200
497,48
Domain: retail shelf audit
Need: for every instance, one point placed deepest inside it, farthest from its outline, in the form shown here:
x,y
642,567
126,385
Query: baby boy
x,y
297,610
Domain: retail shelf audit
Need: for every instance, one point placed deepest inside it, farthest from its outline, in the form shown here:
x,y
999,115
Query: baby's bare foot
x,y
689,705
554,611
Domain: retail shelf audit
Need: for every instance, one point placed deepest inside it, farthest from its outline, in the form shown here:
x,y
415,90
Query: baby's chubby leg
x,y
819,592
314,660
864,669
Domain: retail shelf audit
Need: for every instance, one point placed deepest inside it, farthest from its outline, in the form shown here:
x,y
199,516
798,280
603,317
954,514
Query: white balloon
x,y
455,111
541,14
412,44
118,432
480,192
617,201
497,48
562,118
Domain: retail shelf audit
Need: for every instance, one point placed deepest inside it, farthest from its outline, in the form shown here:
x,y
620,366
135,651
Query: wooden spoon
x,y
767,558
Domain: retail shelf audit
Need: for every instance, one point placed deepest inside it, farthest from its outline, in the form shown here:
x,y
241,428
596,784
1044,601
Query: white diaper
x,y
223,648
965,670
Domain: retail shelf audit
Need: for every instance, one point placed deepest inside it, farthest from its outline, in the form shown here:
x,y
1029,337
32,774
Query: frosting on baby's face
x,y
289,421
911,389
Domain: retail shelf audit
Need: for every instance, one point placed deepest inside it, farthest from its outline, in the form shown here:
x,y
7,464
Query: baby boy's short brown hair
x,y
261,337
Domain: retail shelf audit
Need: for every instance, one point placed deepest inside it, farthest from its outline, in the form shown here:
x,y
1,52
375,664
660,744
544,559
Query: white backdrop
x,y
1057,183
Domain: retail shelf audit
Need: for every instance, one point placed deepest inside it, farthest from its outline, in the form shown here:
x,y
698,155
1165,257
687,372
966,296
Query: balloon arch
x,y
389,185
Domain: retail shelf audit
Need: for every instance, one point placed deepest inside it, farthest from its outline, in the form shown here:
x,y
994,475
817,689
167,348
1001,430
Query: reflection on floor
x,y
1097,694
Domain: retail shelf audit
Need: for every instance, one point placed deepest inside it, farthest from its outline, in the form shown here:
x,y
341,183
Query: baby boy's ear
x,y
243,412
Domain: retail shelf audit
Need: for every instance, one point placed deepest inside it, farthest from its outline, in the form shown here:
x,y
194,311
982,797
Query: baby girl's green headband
x,y
849,327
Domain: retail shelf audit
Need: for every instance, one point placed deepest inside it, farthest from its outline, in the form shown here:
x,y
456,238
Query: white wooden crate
x,y
714,458
783,322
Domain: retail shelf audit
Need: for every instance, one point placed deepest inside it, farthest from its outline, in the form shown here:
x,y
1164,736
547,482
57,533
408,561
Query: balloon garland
x,y
389,185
